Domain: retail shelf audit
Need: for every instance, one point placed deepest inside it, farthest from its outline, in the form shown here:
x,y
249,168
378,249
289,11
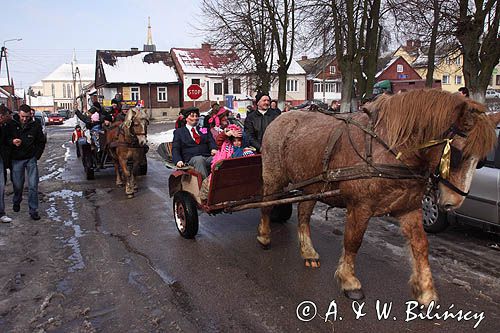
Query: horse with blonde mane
x,y
126,141
378,162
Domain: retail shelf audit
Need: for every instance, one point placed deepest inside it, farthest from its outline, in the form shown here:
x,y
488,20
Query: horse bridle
x,y
452,156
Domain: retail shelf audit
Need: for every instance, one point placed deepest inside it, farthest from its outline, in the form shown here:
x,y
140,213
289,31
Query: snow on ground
x,y
71,122
157,138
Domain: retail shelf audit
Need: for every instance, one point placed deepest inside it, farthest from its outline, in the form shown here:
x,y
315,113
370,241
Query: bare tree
x,y
283,25
477,30
425,21
354,30
244,28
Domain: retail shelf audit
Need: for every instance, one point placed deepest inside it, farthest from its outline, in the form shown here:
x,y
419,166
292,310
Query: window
x,y
161,93
497,80
236,86
69,90
53,90
217,88
332,69
135,94
64,91
292,85
399,68
458,79
446,79
226,86
457,61
195,81
448,61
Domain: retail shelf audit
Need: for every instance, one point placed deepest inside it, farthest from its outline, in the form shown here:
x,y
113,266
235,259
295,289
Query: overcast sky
x,y
51,29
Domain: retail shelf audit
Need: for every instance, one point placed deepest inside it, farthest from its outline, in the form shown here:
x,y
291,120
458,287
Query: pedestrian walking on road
x,y
27,143
4,160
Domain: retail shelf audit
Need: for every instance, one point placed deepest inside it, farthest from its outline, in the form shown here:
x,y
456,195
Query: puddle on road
x,y
68,202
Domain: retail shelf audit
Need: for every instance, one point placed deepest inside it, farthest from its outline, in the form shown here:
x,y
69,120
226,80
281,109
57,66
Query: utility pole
x,y
73,72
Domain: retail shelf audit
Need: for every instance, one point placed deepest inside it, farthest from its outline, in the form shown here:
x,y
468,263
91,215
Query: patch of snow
x,y
157,138
71,122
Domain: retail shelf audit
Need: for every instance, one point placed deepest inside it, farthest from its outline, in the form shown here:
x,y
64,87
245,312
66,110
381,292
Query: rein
x,y
402,171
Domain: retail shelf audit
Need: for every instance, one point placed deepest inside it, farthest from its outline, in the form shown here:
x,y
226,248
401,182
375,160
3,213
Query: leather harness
x,y
368,170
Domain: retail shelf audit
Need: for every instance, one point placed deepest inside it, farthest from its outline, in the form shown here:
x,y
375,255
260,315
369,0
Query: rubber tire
x,y
434,219
190,211
281,213
90,174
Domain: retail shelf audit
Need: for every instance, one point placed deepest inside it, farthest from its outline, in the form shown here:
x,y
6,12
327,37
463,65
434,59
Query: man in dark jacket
x,y
4,160
257,121
27,143
192,145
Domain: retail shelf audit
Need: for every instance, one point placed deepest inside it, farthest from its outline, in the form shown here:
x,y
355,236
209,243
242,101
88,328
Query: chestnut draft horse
x,y
361,167
126,141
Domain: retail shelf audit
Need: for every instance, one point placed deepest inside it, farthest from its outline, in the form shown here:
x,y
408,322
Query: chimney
x,y
304,57
134,49
206,46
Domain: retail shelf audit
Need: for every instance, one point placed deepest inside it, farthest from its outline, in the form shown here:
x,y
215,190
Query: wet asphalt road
x,y
223,281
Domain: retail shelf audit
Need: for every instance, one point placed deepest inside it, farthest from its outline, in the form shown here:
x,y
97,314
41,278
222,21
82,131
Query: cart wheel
x,y
281,213
185,214
90,173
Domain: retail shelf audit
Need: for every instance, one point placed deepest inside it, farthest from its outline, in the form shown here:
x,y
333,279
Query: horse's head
x,y
137,122
473,136
447,133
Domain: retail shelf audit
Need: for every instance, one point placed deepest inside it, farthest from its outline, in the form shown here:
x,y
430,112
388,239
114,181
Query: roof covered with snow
x,y
4,82
19,92
64,73
204,60
137,67
41,101
207,60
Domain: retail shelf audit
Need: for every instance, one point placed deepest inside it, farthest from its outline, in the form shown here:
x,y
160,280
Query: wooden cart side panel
x,y
189,181
236,179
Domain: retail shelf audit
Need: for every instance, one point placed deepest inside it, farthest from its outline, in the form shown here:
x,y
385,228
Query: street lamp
x,y
11,40
3,54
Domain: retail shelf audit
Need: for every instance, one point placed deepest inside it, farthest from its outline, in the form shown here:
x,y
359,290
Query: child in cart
x,y
231,143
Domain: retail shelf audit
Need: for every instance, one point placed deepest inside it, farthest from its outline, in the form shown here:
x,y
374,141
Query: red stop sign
x,y
194,91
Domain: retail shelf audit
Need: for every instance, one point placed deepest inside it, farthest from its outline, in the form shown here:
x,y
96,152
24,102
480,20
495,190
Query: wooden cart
x,y
236,185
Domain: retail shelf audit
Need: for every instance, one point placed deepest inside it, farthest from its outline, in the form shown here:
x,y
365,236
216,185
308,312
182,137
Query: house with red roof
x,y
213,70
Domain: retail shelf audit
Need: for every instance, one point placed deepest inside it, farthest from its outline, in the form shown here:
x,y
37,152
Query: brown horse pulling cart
x,y
373,163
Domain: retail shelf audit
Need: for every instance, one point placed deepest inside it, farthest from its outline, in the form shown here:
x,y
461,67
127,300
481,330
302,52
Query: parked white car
x,y
490,93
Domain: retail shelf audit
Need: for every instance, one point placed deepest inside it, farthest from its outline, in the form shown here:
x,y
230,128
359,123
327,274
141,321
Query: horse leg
x,y
307,251
119,181
272,183
357,221
421,279
264,229
129,189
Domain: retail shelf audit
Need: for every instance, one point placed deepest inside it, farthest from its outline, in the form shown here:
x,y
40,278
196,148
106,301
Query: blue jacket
x,y
184,147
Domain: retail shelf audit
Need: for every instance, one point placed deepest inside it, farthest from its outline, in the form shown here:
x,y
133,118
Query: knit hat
x,y
235,129
260,95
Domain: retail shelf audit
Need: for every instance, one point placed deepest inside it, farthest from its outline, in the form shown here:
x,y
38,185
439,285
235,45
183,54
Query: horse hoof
x,y
265,243
355,295
312,263
130,196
